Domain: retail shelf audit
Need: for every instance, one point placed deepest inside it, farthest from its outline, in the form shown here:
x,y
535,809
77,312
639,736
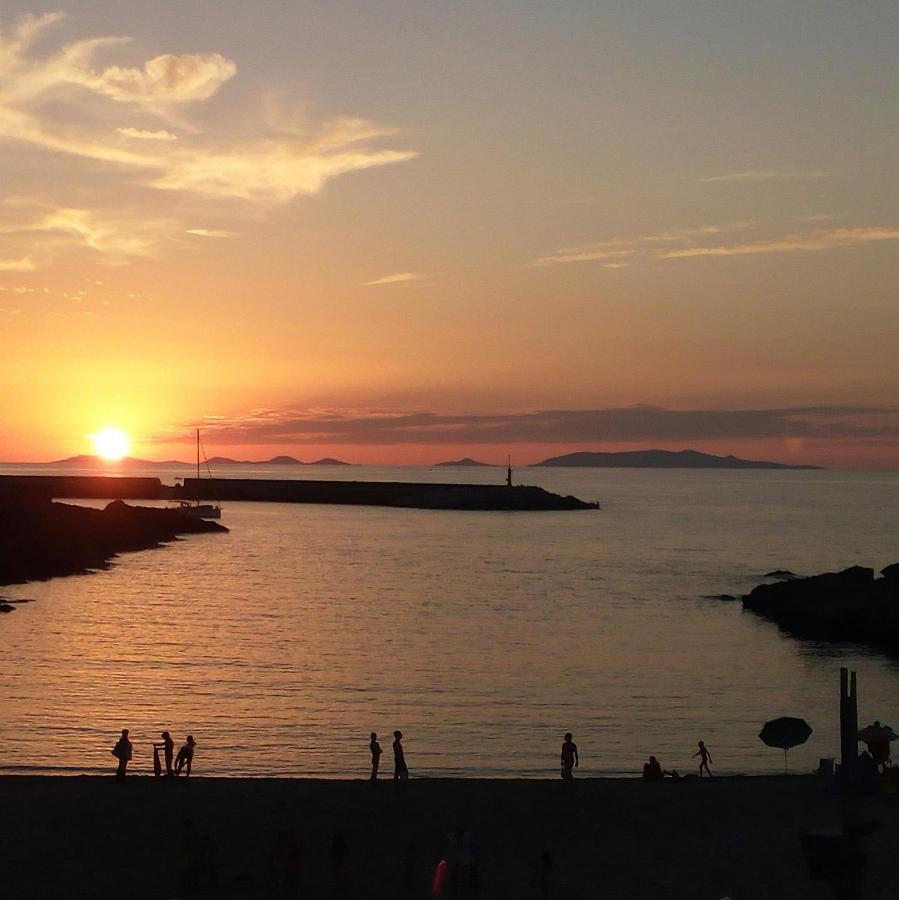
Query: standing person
x,y
704,759
375,748
122,751
185,756
168,745
400,772
569,757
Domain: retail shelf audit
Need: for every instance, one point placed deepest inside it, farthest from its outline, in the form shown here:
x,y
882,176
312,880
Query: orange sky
x,y
293,228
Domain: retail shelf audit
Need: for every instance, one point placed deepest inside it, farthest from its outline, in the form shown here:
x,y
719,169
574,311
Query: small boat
x,y
196,509
199,510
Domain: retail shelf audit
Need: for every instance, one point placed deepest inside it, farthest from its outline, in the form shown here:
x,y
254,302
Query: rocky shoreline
x,y
41,539
850,606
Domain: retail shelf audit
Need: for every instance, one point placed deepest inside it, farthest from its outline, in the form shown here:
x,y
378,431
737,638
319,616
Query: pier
x,y
499,497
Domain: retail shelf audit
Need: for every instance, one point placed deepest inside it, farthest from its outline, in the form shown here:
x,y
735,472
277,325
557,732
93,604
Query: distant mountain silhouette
x,y
466,461
663,459
86,460
275,461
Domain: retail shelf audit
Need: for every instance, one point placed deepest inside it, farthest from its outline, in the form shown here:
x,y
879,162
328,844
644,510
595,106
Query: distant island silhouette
x,y
663,459
129,462
465,461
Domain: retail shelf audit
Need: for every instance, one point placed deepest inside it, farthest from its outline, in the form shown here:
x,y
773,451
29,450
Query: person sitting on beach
x,y
185,756
168,745
375,748
122,751
400,772
569,757
652,771
705,759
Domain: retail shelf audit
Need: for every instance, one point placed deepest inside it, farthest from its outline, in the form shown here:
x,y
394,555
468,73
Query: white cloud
x,y
398,278
767,175
211,232
622,252
808,241
161,135
289,162
25,264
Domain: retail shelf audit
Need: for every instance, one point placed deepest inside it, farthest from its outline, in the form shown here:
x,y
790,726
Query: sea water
x,y
483,636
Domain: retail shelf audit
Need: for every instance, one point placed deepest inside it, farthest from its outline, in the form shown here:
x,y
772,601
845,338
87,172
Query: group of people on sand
x,y
400,770
653,771
174,765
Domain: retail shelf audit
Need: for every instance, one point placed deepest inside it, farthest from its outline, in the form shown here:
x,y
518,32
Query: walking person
x,y
569,757
185,756
375,748
704,759
400,771
168,746
122,751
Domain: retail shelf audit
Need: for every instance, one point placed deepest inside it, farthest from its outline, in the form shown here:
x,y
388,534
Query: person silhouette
x,y
122,751
652,771
704,759
400,771
375,748
569,757
185,756
167,745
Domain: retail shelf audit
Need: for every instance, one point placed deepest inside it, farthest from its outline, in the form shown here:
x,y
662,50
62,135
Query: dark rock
x,y
782,574
40,539
6,607
727,598
842,606
891,573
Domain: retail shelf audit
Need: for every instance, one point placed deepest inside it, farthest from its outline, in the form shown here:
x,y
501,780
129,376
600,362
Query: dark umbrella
x,y
785,732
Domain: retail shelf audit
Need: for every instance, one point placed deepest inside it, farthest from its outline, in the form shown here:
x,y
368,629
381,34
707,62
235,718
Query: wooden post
x,y
848,725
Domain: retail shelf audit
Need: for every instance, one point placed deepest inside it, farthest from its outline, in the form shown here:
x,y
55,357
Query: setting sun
x,y
111,443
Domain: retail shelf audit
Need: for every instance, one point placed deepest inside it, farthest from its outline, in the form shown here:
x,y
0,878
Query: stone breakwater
x,y
486,497
40,539
848,606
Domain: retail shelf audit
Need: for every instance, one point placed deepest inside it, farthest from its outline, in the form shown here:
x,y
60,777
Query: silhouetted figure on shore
x,y
400,771
569,757
339,852
122,752
168,746
652,771
286,860
185,756
375,748
704,759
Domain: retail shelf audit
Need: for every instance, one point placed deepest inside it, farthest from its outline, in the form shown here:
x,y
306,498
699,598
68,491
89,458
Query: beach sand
x,y
92,837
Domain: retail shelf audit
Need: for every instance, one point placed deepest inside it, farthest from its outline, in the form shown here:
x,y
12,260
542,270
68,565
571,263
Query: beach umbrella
x,y
877,734
785,732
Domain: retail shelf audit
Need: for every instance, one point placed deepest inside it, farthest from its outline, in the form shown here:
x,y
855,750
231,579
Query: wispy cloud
x,y
697,242
160,135
25,264
398,278
212,232
807,241
628,424
47,232
62,102
768,175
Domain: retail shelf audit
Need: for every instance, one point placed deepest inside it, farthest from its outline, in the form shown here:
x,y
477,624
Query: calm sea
x,y
482,636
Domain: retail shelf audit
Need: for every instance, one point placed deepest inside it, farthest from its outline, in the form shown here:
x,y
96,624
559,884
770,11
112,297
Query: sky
x,y
406,232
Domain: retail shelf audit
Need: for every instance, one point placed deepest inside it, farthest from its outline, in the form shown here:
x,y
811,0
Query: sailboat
x,y
196,509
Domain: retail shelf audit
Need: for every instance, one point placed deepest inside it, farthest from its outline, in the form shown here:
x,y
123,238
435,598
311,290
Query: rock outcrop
x,y
40,539
848,606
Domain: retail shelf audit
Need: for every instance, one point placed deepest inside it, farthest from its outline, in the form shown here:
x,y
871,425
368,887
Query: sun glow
x,y
111,443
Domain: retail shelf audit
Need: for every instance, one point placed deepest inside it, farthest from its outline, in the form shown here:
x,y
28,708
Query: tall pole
x,y
848,724
198,465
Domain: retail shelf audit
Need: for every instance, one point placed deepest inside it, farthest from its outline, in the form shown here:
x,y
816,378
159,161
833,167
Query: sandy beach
x,y
91,837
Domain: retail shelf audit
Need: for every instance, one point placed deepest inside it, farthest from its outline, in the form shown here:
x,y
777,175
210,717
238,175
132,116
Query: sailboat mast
x,y
198,465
